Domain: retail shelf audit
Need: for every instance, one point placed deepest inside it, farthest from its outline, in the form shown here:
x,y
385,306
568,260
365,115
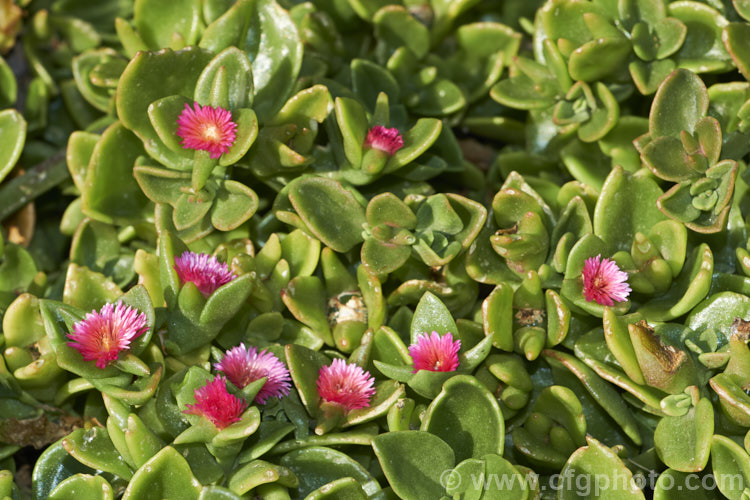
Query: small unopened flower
x,y
603,282
103,334
243,366
347,385
215,403
385,139
435,353
206,128
203,270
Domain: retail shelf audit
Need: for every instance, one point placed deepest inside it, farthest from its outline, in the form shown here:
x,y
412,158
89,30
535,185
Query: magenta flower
x,y
101,335
215,403
347,385
206,128
603,282
243,366
385,139
203,270
435,353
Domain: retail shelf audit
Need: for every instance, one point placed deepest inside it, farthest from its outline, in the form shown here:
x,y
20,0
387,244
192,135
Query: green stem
x,y
21,190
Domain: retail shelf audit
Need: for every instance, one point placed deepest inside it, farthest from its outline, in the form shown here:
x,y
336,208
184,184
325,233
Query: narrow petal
x,y
203,270
215,403
103,334
345,384
243,366
604,282
385,139
206,128
435,353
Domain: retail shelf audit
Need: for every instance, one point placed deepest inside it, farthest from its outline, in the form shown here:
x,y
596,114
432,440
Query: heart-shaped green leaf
x,y
467,417
149,77
597,460
413,462
330,211
678,105
317,466
729,460
683,443
239,83
157,22
598,58
83,487
234,204
166,475
13,137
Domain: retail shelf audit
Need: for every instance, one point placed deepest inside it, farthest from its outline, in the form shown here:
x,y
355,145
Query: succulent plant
x,y
366,249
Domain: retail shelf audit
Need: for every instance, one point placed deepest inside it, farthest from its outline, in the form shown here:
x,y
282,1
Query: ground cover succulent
x,y
374,249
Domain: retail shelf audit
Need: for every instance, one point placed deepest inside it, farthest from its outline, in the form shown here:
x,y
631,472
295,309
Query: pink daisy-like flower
x,y
206,128
101,335
385,139
347,385
214,402
203,270
603,282
435,353
243,366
